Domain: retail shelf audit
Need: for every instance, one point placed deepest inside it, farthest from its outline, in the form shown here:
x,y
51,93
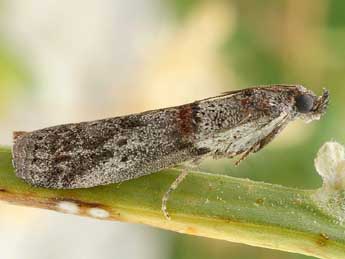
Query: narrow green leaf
x,y
208,205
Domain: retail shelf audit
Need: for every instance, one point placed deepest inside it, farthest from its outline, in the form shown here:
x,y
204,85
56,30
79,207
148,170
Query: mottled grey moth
x,y
87,154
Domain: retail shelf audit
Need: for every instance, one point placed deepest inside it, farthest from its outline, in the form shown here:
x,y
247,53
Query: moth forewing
x,y
114,150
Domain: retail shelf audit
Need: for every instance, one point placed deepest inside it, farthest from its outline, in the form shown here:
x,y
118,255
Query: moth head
x,y
309,106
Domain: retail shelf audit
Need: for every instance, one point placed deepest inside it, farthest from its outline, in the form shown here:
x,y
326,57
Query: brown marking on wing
x,y
17,134
245,101
264,106
185,120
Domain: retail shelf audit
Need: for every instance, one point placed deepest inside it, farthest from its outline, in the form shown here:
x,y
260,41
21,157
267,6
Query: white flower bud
x,y
330,164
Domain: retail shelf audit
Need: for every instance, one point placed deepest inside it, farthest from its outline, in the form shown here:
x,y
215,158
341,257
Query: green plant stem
x,y
208,205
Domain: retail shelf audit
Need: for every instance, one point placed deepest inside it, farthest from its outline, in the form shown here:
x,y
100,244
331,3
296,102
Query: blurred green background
x,y
70,61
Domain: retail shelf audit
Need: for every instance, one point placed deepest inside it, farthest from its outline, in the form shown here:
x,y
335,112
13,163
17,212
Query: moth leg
x,y
265,141
246,154
172,188
192,165
262,142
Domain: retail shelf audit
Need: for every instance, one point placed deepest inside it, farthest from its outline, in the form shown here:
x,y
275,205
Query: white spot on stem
x,y
98,213
68,207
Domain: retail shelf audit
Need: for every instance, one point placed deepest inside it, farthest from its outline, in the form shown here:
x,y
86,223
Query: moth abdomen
x,y
105,151
55,157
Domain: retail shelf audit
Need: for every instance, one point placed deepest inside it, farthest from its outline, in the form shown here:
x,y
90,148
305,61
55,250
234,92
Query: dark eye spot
x,y
304,103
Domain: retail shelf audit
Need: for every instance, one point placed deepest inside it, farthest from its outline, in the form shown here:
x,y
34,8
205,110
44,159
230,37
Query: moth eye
x,y
304,103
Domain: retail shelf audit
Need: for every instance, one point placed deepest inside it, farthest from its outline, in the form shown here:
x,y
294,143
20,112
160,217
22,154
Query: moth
x,y
113,150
